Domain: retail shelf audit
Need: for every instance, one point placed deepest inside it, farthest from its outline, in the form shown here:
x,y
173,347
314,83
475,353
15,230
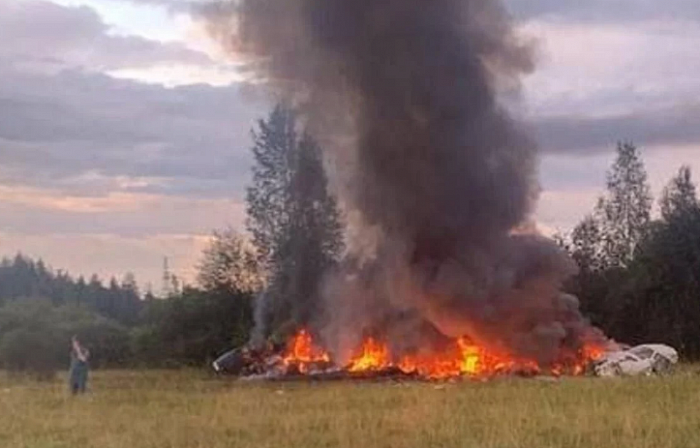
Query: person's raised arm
x,y
80,352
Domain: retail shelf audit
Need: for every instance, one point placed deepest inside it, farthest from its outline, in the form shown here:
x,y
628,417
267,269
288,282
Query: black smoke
x,y
433,173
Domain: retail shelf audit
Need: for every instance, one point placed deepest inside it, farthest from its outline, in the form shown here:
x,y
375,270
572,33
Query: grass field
x,y
194,410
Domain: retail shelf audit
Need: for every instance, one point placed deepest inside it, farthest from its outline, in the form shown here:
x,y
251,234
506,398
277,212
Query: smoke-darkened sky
x,y
124,134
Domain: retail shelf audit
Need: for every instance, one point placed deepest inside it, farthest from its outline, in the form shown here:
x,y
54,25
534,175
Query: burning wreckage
x,y
443,276
301,358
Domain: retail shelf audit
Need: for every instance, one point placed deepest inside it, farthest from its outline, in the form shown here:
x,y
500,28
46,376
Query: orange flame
x,y
301,351
374,356
462,358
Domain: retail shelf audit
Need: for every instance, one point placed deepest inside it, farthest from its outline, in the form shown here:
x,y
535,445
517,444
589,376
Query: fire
x,y
374,356
471,357
592,352
462,358
301,351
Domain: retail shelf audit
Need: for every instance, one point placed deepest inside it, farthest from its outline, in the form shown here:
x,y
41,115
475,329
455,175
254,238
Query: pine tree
x,y
314,234
23,278
267,198
294,220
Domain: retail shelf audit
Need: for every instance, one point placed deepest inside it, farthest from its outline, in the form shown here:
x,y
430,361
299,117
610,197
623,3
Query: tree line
x,y
41,309
22,277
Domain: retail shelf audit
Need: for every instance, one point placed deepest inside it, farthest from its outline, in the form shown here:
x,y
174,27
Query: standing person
x,y
79,356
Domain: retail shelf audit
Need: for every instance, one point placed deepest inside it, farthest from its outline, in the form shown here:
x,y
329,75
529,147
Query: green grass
x,y
193,410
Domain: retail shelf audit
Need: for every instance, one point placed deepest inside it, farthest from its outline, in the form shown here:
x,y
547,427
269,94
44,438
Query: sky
x,y
125,132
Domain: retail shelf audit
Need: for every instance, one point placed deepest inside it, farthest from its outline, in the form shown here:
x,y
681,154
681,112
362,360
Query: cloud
x,y
604,68
600,83
606,11
579,10
56,128
588,135
34,211
43,35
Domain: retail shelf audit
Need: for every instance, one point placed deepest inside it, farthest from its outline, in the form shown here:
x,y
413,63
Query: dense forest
x,y
638,279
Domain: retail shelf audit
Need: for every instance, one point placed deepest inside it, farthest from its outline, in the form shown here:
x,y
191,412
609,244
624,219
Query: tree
x,y
294,221
35,336
679,195
603,244
230,263
192,328
663,287
592,282
129,284
624,212
274,146
312,241
23,277
665,283
29,339
585,247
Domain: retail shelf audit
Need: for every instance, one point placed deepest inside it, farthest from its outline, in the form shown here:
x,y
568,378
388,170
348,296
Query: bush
x,y
108,342
35,337
190,329
32,351
193,329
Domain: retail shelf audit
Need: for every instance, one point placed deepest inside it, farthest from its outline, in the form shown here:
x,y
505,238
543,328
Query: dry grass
x,y
187,409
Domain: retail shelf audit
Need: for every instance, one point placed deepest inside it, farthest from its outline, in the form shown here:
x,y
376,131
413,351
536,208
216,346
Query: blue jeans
x,y
78,378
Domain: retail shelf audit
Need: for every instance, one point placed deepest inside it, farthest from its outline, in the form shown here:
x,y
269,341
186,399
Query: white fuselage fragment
x,y
647,359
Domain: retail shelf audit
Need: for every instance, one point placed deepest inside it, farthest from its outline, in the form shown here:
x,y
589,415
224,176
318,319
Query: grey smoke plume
x,y
432,171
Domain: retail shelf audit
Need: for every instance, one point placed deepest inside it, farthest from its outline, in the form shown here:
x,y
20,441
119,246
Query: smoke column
x,y
434,175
